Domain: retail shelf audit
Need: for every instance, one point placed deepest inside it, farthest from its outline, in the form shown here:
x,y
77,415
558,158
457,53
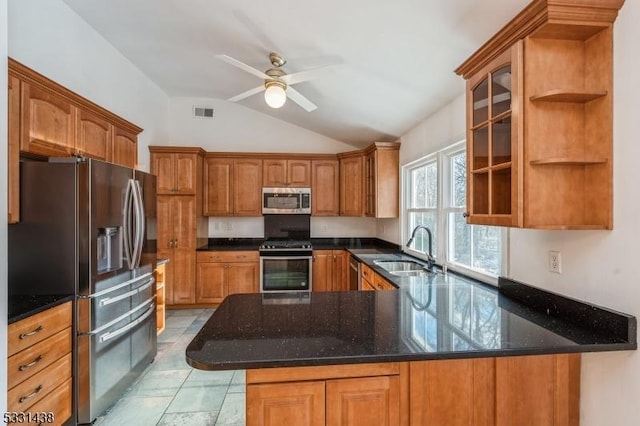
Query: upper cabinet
x,y
13,152
539,119
382,180
48,120
351,184
325,178
177,172
232,186
94,135
291,172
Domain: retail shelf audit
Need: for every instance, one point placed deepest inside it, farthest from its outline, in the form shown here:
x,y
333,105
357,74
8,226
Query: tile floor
x,y
170,392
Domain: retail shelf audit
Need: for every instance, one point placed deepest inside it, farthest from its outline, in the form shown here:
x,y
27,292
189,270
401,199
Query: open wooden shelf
x,y
574,96
566,161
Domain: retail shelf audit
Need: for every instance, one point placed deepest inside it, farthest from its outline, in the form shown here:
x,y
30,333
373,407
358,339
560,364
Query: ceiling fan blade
x,y
297,97
247,93
242,66
301,76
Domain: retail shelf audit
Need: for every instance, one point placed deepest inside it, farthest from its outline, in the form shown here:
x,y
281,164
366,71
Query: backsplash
x,y
321,227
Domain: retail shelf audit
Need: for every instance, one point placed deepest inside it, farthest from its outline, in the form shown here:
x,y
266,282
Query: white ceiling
x,y
396,57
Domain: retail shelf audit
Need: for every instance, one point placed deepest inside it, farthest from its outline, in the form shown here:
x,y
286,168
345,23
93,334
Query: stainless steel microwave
x,y
286,200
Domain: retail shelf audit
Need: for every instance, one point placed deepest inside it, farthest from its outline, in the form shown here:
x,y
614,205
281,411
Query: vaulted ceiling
x,y
394,59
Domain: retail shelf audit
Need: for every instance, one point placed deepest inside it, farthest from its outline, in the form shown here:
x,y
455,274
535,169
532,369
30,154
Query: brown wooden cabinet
x,y
247,191
332,395
488,391
221,273
477,392
286,172
54,121
382,180
372,281
13,151
330,270
161,299
48,122
325,188
351,184
539,120
233,186
125,148
39,368
181,227
94,136
177,172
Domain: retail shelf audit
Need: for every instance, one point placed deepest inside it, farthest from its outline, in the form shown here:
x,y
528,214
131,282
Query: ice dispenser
x,y
109,250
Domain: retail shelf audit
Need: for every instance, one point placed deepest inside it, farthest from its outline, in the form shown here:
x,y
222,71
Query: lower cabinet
x,y
221,273
39,366
330,270
540,390
321,396
370,280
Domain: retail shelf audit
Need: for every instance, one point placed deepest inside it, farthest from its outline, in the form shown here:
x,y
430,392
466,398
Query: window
x,y
435,196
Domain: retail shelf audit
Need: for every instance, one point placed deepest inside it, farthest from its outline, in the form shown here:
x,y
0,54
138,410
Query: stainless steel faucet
x,y
430,259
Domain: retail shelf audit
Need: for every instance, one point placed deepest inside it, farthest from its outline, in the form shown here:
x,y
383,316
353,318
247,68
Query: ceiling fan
x,y
277,83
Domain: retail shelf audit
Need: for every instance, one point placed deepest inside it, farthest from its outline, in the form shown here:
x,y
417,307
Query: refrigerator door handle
x,y
128,200
139,219
110,335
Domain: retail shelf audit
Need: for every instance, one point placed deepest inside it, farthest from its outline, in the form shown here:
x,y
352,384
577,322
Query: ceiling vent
x,y
202,112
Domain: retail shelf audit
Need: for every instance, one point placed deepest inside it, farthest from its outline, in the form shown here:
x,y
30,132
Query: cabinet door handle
x,y
31,333
465,214
175,242
31,364
31,395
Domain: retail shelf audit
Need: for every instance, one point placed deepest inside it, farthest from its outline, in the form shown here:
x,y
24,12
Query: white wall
x,y
235,128
597,266
52,39
3,204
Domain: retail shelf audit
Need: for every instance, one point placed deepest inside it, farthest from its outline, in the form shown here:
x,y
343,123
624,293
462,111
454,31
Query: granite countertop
x,y
438,316
23,306
317,243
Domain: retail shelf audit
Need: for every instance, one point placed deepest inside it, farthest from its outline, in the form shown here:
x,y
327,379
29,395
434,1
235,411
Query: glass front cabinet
x,y
494,141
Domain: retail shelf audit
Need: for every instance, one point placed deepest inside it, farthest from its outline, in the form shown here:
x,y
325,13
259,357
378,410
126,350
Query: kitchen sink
x,y
403,268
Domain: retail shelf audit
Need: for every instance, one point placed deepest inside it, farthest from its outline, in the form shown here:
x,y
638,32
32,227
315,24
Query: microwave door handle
x,y
128,199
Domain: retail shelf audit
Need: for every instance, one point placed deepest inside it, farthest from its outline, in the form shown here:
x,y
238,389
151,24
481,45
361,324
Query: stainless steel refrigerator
x,y
88,228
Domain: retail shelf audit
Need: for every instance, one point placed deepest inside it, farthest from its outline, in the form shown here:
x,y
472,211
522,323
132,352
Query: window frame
x,y
442,158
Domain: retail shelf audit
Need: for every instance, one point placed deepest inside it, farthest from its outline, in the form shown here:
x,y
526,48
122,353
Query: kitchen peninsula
x,y
441,349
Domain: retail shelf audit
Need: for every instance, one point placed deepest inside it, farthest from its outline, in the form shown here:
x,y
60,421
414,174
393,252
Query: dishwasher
x,y
354,274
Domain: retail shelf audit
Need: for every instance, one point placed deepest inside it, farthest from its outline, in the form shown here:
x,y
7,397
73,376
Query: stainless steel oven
x,y
285,271
286,256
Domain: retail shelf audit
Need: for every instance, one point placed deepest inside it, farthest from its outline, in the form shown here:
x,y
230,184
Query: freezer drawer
x,y
111,358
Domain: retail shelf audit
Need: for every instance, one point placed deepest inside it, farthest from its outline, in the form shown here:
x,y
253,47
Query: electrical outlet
x,y
229,226
555,261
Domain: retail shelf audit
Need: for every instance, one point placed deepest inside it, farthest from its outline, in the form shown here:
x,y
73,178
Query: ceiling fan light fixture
x,y
274,94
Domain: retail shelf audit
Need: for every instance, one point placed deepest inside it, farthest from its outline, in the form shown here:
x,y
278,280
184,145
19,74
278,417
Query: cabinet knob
x,y
465,214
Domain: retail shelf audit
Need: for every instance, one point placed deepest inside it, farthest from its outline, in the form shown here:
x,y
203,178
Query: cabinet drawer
x,y
35,358
367,273
38,327
227,256
382,284
34,389
57,402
